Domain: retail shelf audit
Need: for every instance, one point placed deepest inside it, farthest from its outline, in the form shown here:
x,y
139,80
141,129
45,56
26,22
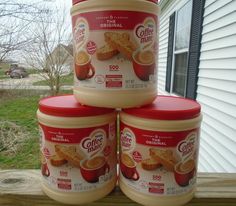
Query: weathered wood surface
x,y
22,188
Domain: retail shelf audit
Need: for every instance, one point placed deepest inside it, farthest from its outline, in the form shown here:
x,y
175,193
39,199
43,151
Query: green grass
x,y
65,80
2,74
26,158
22,112
32,71
68,79
20,108
4,66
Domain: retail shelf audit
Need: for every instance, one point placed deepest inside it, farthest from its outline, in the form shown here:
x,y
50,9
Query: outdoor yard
x,y
2,74
19,139
64,80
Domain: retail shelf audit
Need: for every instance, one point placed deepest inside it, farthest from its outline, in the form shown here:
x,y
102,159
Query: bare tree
x,y
47,53
15,19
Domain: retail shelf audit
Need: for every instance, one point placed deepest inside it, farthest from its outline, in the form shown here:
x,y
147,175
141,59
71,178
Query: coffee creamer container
x,y
159,146
115,52
78,148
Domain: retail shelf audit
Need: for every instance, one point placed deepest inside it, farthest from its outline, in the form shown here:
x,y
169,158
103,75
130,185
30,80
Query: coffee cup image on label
x,y
92,169
144,64
44,166
128,167
184,172
83,67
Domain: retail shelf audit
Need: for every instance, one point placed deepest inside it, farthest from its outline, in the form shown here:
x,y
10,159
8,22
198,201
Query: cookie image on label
x,y
150,164
165,157
121,42
57,161
106,52
66,154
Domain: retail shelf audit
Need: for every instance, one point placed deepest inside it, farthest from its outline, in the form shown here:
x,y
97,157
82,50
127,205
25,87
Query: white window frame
x,y
180,51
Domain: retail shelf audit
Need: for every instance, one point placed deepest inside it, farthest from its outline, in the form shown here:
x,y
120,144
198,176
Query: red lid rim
x,y
74,2
70,108
167,111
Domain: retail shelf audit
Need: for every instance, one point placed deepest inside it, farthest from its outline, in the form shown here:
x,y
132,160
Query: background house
x,y
62,56
197,59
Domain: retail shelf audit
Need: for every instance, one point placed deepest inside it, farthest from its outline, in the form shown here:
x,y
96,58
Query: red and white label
x,y
121,47
81,159
158,163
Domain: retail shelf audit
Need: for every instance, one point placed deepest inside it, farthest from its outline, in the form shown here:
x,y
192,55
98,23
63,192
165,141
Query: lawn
x,y
32,71
64,80
2,74
21,111
18,108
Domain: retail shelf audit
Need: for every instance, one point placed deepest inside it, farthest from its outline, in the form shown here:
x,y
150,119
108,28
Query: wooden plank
x,y
22,187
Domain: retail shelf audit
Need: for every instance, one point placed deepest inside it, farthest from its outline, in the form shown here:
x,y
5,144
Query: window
x,y
183,25
181,49
180,73
184,45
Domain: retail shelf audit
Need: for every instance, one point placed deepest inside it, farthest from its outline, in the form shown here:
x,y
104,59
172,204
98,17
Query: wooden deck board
x,y
22,188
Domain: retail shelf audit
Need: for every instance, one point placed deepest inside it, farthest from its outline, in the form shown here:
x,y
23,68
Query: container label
x,y
159,163
78,160
115,50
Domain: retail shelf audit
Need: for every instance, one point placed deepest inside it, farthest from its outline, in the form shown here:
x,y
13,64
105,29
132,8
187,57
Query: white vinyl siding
x,y
217,81
217,87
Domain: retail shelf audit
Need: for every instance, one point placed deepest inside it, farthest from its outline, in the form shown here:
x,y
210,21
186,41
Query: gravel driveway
x,y
10,83
26,83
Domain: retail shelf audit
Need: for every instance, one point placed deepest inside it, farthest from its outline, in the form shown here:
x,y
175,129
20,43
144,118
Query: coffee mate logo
x,y
95,143
80,33
127,139
145,33
186,148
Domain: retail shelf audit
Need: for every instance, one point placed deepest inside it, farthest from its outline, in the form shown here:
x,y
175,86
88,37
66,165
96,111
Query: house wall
x,y
60,55
217,87
217,82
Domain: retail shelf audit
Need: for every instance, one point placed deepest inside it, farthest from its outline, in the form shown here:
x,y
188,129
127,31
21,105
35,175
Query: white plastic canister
x,y
78,147
159,146
115,52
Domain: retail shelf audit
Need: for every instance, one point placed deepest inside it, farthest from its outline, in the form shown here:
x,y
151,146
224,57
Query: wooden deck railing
x,y
22,188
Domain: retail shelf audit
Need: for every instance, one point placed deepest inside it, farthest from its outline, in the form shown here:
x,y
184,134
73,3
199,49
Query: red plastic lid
x,y
154,1
67,106
78,1
167,108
